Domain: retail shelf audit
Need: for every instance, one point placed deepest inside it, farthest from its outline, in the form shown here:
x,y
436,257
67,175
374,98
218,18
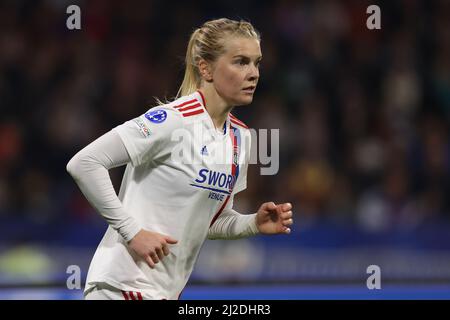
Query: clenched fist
x,y
274,219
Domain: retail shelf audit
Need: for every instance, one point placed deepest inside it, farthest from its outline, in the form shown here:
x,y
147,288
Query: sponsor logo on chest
x,y
218,183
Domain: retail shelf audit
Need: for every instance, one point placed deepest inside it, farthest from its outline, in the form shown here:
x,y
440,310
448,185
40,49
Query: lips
x,y
250,88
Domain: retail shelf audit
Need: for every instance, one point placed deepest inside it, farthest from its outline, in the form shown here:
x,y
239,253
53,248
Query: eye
x,y
242,62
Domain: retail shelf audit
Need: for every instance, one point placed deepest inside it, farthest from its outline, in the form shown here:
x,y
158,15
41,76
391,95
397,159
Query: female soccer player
x,y
185,161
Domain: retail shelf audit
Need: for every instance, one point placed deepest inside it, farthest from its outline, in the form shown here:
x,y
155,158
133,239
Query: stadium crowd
x,y
363,114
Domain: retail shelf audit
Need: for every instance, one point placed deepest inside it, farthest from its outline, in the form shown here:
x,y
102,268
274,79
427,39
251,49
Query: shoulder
x,y
175,112
188,107
160,118
179,112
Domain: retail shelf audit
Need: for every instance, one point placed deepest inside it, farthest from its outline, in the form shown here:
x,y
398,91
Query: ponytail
x,y
191,80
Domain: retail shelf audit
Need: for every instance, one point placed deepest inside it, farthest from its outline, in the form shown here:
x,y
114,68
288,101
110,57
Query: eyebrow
x,y
243,56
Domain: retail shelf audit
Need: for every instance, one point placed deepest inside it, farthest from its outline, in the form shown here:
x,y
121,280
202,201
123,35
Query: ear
x,y
205,69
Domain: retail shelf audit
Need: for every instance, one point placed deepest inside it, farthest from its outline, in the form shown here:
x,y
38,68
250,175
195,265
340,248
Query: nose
x,y
254,73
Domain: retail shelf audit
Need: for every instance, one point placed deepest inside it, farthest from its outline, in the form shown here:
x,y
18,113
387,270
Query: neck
x,y
216,107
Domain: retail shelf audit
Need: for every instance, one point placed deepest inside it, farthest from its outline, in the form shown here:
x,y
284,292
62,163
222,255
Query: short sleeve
x,y
148,136
241,183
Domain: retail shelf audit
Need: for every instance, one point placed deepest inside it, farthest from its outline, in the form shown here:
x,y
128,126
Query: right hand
x,y
151,246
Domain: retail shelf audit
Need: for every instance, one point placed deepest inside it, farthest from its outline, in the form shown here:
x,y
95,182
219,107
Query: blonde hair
x,y
207,43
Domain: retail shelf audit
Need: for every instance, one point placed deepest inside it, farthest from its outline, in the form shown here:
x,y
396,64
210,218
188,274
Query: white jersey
x,y
183,174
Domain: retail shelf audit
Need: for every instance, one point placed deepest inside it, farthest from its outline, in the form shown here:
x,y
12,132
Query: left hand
x,y
274,219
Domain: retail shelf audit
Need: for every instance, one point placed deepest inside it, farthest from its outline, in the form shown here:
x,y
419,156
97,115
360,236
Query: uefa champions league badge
x,y
156,116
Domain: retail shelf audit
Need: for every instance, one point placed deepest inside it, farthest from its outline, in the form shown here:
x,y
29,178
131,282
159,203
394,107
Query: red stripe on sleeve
x,y
131,295
187,114
189,107
185,103
125,295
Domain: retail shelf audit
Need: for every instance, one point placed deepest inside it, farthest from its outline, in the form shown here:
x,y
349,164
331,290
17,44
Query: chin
x,y
245,100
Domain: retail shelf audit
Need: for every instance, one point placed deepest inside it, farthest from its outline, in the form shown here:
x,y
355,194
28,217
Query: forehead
x,y
235,46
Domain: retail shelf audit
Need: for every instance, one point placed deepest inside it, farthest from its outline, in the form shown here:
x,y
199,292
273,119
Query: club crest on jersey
x,y
156,116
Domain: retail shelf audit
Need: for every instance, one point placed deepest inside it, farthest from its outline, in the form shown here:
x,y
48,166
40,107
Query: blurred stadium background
x,y
364,141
